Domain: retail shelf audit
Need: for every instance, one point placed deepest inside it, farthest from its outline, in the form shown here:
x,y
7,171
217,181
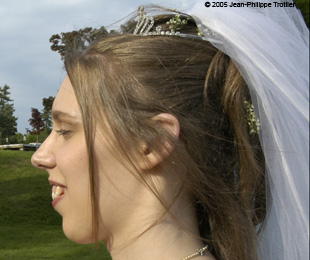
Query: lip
x,y
55,201
54,183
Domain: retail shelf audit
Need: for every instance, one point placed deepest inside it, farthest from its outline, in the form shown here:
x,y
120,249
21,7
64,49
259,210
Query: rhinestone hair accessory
x,y
145,24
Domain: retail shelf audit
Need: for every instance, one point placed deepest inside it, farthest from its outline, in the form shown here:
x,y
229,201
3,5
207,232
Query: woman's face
x,y
64,156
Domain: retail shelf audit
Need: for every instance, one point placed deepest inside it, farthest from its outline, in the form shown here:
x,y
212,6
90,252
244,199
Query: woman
x,y
156,149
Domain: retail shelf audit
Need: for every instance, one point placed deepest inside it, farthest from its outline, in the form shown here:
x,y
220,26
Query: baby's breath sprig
x,y
253,122
200,33
176,23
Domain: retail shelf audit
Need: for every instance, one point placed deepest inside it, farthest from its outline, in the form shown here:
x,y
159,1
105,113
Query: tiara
x,y
145,24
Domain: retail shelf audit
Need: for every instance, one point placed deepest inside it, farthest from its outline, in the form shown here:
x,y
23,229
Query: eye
x,y
62,132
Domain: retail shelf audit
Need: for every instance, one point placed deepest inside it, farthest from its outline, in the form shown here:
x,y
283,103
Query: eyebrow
x,y
59,115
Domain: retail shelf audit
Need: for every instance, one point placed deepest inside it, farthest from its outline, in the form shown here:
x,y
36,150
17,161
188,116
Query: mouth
x,y
58,191
57,194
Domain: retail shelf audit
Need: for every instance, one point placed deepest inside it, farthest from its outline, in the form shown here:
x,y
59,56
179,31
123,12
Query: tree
x,y
129,26
76,40
8,122
79,40
303,6
46,113
36,122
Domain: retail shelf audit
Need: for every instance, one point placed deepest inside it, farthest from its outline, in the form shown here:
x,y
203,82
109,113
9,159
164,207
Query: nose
x,y
44,157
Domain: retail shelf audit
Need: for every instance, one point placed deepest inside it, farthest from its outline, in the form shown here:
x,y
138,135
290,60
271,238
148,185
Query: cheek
x,y
72,160
118,190
76,206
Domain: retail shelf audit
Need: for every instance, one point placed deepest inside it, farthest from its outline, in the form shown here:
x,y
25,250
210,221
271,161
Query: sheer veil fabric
x,y
270,47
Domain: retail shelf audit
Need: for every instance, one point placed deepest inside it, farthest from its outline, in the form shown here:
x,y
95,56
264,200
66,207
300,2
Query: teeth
x,y
58,191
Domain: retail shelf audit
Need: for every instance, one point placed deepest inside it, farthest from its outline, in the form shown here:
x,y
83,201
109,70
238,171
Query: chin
x,y
78,234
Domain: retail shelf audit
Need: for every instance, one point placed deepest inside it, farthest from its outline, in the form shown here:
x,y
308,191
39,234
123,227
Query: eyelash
x,y
62,132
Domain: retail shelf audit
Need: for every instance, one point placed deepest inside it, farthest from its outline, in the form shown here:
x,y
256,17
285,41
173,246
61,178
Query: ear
x,y
150,158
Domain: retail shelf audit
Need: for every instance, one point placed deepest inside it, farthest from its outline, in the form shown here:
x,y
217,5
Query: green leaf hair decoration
x,y
253,122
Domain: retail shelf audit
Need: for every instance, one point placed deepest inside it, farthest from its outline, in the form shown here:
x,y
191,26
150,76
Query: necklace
x,y
199,252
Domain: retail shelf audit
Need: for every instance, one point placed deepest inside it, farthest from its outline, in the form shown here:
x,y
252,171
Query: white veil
x,y
270,47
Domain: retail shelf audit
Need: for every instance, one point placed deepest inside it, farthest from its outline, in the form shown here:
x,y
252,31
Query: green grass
x,y
29,226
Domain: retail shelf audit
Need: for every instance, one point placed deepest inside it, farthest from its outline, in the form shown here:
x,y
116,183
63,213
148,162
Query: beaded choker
x,y
200,252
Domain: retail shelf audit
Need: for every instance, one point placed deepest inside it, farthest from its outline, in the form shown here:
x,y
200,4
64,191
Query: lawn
x,y
29,226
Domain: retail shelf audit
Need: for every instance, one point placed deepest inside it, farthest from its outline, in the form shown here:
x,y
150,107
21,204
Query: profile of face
x,y
64,156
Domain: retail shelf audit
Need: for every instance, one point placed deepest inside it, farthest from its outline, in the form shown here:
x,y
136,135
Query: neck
x,y
142,229
164,240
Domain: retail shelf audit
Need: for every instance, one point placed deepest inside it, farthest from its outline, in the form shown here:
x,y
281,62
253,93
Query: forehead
x,y
65,101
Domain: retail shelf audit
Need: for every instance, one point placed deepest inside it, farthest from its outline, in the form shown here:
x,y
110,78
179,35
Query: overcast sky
x,y
27,64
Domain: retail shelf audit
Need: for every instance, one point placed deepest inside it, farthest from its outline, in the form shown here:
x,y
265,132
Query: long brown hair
x,y
128,79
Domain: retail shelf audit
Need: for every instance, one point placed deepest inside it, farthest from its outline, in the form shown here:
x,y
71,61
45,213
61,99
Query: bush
x,y
19,138
14,139
44,134
31,139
